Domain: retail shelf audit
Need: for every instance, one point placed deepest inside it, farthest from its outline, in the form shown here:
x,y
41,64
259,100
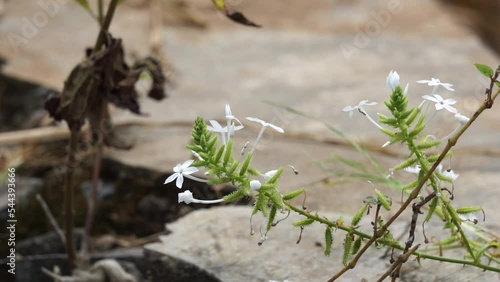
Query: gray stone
x,y
218,241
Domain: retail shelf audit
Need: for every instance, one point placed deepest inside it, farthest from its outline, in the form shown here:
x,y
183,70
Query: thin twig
x,y
68,196
398,263
51,218
92,199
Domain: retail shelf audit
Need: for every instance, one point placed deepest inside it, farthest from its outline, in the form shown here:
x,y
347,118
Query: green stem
x,y
414,194
420,254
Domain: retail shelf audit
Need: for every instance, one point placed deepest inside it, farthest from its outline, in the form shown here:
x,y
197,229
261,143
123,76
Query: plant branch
x,y
68,196
398,263
51,218
105,24
451,142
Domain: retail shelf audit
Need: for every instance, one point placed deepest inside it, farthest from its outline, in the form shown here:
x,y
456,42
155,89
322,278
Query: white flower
x,y
359,107
187,197
449,174
441,103
216,127
392,81
181,171
461,118
255,185
266,124
270,174
229,119
262,129
412,169
229,114
436,82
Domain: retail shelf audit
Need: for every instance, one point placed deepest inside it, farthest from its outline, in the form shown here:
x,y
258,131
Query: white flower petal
x,y
256,120
187,163
189,170
430,98
349,108
171,178
386,144
448,86
450,108
179,181
277,128
450,101
216,127
450,174
405,91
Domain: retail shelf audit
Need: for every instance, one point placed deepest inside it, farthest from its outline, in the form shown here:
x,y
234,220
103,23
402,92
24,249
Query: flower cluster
x,y
222,166
405,126
204,151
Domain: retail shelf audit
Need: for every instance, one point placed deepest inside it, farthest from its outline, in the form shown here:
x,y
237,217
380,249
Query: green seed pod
x,y
234,196
432,208
428,144
359,214
276,176
384,200
328,240
245,165
405,164
471,209
229,152
303,222
272,216
233,167
218,156
293,194
347,248
356,246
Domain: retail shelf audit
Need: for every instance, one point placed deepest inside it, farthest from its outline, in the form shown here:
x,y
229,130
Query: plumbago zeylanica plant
x,y
431,191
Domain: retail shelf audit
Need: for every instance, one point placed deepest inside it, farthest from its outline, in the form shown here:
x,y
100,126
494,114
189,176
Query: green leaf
x,y
485,70
328,241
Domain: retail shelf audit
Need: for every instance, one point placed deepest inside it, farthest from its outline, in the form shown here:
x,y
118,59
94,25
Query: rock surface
x,y
299,60
218,241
